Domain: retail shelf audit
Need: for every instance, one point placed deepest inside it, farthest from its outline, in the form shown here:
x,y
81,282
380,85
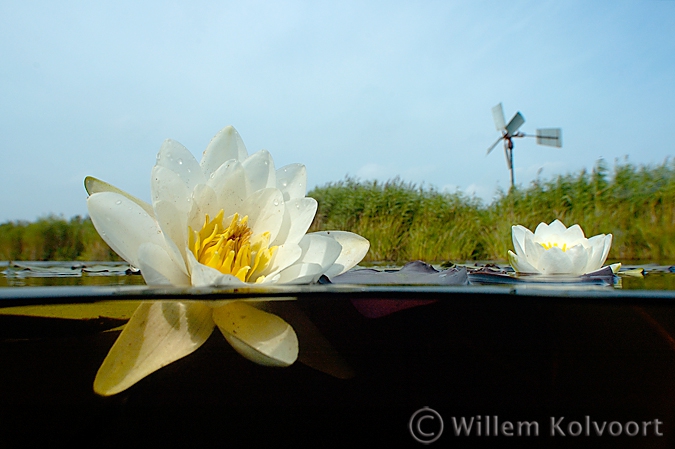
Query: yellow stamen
x,y
550,245
230,250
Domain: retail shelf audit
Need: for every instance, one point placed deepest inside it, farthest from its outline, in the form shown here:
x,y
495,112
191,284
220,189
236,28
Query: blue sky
x,y
371,90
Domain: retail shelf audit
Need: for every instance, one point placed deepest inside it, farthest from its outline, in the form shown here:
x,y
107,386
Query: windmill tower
x,y
551,137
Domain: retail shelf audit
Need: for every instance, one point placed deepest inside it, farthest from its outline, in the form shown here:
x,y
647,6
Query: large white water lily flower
x,y
229,220
555,249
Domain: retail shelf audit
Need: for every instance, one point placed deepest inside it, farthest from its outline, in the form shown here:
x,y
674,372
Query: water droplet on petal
x,y
213,175
118,202
276,202
180,161
284,184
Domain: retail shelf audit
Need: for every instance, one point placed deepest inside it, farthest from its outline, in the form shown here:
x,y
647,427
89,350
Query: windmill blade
x,y
498,117
515,123
551,137
492,147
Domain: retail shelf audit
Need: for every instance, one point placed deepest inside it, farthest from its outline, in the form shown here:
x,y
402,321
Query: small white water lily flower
x,y
555,249
230,220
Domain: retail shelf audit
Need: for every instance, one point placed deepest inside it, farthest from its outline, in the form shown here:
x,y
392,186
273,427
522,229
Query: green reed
x,y
405,222
53,238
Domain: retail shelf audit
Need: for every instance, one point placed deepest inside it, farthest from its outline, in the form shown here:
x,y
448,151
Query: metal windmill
x,y
551,137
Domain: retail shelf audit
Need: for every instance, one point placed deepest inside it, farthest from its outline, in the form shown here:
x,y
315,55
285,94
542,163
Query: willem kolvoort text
x,y
556,427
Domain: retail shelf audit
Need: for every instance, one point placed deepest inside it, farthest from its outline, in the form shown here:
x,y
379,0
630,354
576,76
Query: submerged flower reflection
x,y
556,249
227,221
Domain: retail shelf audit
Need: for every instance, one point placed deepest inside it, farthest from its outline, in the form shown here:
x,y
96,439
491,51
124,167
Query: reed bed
x,y
405,222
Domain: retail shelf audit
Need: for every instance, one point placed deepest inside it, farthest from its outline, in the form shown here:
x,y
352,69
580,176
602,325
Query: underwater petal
x,y
354,249
157,334
259,336
225,145
123,224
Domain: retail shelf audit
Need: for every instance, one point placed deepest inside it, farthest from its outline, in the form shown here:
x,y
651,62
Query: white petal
x,y
229,184
518,235
259,169
607,246
204,201
158,268
319,249
178,159
578,256
595,247
95,185
225,145
520,264
285,256
292,181
533,252
259,336
167,186
174,226
123,224
555,261
301,273
203,276
354,249
298,216
157,334
541,231
557,227
573,235
265,210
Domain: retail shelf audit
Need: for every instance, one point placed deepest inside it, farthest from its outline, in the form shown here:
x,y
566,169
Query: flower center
x,y
230,250
550,245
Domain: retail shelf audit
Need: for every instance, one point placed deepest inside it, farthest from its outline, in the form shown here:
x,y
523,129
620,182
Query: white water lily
x,y
230,220
556,249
